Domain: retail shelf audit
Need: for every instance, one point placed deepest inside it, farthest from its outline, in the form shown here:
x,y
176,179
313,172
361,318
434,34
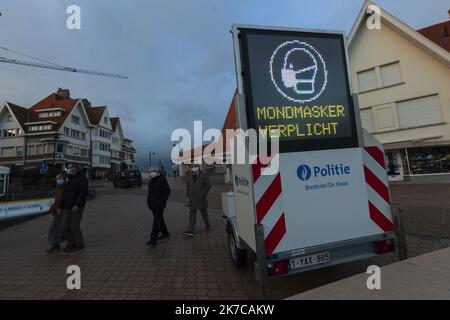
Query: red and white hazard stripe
x,y
377,188
269,205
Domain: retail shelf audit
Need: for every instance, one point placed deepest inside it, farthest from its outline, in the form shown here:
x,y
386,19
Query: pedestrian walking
x,y
55,232
197,190
158,193
73,202
175,173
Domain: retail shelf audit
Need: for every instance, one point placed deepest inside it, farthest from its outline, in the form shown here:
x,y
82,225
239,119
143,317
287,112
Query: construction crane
x,y
61,68
53,66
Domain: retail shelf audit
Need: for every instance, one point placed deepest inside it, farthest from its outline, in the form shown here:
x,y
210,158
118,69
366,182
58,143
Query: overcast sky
x,y
177,54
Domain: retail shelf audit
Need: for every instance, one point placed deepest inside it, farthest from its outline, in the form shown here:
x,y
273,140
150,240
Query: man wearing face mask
x,y
197,189
74,199
158,193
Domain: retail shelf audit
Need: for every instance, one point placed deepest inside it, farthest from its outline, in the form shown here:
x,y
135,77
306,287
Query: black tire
x,y
238,256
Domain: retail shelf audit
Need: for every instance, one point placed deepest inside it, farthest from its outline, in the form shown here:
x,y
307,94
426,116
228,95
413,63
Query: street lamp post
x,y
150,157
55,137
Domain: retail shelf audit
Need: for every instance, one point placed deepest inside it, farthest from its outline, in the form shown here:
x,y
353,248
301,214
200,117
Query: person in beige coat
x,y
197,190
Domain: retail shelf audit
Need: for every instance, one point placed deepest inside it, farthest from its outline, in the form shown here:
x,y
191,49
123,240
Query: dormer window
x,y
52,114
43,127
75,119
105,120
9,118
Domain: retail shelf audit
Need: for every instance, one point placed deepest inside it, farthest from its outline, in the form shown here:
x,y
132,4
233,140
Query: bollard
x,y
399,232
260,264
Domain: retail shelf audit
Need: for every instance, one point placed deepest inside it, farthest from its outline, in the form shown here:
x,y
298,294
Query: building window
x,y
379,77
105,147
19,151
51,114
31,150
390,74
9,118
419,112
385,117
75,134
8,152
41,128
84,153
39,149
9,133
59,148
367,80
66,131
75,119
105,120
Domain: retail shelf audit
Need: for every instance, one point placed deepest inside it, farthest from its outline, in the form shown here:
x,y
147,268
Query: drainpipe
x,y
54,150
25,149
91,161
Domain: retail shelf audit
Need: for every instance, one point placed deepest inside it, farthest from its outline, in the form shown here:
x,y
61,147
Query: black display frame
x,y
286,146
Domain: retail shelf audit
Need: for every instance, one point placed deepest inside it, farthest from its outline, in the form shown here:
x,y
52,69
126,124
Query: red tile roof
x,y
22,115
230,120
62,101
229,123
114,122
436,33
54,100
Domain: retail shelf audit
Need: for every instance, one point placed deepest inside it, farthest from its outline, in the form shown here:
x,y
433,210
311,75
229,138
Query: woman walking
x,y
55,232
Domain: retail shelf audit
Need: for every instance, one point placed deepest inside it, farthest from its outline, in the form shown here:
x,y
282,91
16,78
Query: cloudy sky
x,y
177,54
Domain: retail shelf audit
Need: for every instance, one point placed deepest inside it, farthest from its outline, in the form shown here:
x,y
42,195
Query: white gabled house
x,y
101,138
55,131
402,79
58,130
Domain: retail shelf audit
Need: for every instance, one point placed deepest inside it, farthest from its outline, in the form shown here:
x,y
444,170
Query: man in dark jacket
x,y
197,190
73,201
158,193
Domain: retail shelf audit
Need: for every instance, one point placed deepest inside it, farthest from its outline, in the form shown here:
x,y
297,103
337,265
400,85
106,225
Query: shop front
x,y
419,164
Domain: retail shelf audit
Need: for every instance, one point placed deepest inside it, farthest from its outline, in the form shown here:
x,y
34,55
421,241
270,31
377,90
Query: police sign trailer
x,y
329,203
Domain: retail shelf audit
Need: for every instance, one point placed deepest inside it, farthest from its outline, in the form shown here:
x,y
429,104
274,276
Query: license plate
x,y
307,261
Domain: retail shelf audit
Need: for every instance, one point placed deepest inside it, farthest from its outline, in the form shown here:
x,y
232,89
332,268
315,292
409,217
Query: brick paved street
x,y
117,264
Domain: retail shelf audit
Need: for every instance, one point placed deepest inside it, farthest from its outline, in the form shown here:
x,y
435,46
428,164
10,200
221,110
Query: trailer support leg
x,y
260,265
400,232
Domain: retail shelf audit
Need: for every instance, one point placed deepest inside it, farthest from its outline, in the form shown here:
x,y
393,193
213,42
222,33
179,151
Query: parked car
x,y
127,178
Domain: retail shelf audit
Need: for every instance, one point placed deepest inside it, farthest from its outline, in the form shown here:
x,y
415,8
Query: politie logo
x,y
304,172
323,174
298,71
241,181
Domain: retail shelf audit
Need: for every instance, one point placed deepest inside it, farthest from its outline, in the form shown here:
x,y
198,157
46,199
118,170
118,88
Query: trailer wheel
x,y
238,256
